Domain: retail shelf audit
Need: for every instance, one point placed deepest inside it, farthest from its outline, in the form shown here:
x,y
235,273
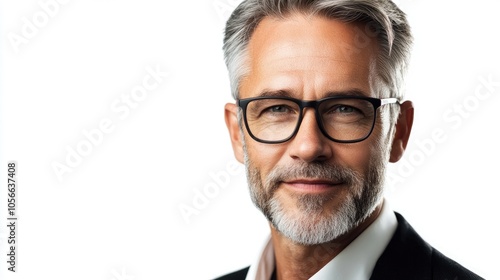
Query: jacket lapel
x,y
407,256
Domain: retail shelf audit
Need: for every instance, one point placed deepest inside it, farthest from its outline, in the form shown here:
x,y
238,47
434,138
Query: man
x,y
319,114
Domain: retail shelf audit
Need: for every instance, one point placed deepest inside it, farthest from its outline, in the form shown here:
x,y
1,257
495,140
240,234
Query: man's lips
x,y
312,185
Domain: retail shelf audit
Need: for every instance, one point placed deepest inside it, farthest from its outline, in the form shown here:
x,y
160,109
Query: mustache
x,y
313,170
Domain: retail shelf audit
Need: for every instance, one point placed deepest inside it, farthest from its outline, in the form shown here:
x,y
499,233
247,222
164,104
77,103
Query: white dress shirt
x,y
355,262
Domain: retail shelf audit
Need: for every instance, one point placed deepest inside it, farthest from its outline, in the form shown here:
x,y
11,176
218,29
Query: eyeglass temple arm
x,y
388,101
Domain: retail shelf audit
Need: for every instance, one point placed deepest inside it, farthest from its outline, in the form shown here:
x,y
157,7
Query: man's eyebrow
x,y
287,93
275,93
350,92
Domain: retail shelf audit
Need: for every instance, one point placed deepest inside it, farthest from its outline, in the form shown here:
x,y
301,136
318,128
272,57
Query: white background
x,y
117,215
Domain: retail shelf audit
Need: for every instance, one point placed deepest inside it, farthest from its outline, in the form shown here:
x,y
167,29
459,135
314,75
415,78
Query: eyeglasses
x,y
343,119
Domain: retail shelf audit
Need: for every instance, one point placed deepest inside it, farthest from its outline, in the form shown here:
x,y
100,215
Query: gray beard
x,y
313,225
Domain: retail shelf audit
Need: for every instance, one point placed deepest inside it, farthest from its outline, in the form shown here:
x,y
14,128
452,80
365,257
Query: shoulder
x,y
444,267
237,275
408,256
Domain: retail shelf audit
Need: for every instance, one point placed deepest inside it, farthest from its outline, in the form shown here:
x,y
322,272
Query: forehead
x,y
310,57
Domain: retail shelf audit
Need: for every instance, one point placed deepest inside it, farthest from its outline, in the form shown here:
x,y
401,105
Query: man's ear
x,y
231,117
403,129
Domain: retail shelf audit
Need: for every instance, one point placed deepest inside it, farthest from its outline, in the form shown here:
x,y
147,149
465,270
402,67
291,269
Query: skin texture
x,y
309,58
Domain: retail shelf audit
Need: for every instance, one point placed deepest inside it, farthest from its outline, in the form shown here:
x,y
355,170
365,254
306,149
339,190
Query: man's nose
x,y
309,144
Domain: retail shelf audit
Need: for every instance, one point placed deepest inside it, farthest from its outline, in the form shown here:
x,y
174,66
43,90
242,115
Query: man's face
x,y
312,189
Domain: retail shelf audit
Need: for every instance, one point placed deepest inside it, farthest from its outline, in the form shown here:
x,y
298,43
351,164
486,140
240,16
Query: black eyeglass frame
x,y
376,102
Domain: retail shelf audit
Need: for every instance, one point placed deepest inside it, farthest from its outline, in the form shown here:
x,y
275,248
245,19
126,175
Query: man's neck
x,y
295,261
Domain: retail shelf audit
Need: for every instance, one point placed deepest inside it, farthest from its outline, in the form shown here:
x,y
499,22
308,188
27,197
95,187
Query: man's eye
x,y
345,109
278,109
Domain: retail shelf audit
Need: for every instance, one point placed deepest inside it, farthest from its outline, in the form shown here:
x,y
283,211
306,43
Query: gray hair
x,y
383,19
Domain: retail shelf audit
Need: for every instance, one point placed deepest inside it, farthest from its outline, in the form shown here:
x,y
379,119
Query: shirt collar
x,y
356,261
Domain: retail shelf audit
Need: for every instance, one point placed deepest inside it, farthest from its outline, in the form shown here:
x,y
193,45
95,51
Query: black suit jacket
x,y
406,257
